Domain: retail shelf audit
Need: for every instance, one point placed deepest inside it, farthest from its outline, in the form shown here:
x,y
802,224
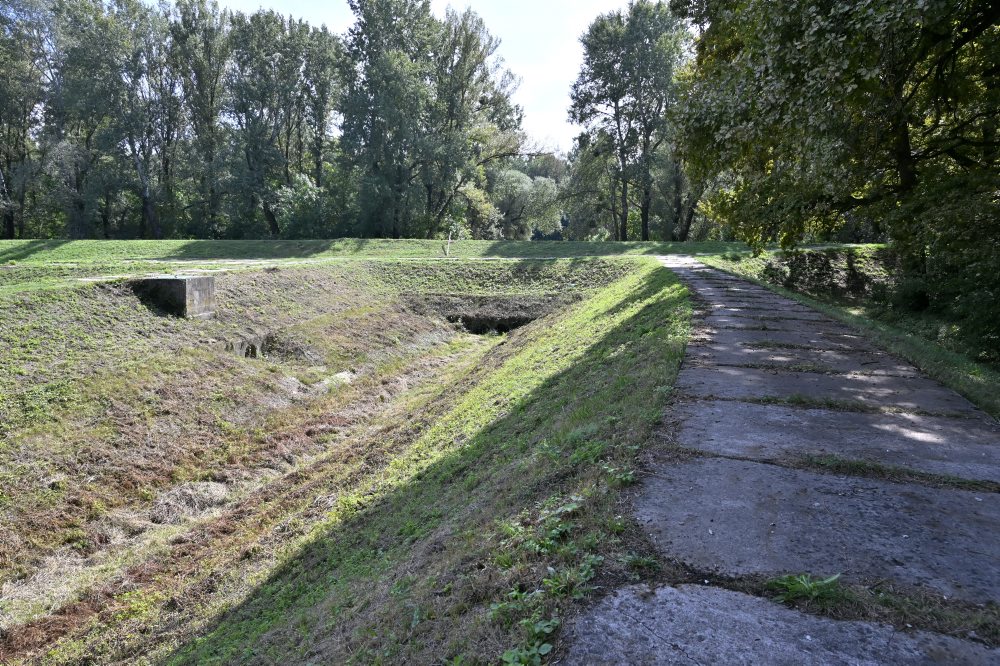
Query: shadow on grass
x,y
262,249
505,445
541,249
21,250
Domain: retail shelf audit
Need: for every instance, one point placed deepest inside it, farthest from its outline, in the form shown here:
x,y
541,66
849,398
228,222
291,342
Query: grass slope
x,y
105,405
462,528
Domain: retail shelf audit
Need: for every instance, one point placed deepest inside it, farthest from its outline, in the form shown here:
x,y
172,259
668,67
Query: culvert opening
x,y
485,315
487,325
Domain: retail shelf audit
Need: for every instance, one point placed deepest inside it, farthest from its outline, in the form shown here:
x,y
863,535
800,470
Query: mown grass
x,y
482,514
105,403
525,466
109,252
978,382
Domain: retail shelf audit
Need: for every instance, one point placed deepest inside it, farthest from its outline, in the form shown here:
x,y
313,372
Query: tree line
x,y
122,120
860,120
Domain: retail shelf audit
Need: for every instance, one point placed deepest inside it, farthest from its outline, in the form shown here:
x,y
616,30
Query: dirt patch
x,y
187,499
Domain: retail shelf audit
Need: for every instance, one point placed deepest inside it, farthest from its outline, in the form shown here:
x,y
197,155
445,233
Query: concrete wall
x,y
181,295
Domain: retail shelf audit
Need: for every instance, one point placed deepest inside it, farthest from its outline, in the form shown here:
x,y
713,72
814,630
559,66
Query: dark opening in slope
x,y
484,325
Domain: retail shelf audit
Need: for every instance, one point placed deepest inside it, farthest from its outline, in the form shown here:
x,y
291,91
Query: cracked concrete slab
x,y
846,361
703,625
779,324
779,319
759,312
936,445
915,394
737,314
806,334
736,518
773,305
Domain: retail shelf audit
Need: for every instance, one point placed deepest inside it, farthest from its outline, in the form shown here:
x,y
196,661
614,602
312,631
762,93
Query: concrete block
x,y
191,296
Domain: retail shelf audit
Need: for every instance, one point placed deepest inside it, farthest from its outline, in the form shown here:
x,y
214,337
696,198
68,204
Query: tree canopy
x,y
119,120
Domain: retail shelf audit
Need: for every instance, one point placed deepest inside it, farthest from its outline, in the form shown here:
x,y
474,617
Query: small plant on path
x,y
804,587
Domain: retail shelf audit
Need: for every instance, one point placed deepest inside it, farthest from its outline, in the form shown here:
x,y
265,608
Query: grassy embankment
x,y
33,265
452,500
854,286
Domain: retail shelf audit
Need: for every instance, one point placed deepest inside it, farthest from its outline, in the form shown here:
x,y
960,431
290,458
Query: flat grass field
x,y
377,484
100,251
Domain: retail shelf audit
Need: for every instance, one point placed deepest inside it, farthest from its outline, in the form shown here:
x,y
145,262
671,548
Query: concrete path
x,y
768,387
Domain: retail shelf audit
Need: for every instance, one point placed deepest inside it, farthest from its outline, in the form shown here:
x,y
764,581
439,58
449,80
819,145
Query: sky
x,y
540,43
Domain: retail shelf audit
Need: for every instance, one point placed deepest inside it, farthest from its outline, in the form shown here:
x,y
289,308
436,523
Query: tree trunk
x,y
318,165
623,220
8,213
272,220
106,215
694,196
150,220
678,200
903,153
8,223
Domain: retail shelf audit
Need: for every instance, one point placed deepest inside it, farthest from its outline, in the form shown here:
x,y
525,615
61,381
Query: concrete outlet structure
x,y
182,295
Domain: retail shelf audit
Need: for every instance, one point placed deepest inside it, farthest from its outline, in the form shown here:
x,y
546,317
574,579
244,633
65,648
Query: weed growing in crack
x,y
804,587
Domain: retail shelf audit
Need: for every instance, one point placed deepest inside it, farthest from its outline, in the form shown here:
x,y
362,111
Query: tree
x,y
22,30
266,102
322,63
851,106
887,112
146,100
526,205
201,53
427,111
625,90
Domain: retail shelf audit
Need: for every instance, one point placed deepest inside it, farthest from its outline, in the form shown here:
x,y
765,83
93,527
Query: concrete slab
x,y
818,335
755,311
736,517
914,394
763,301
956,447
728,287
845,361
190,296
786,328
757,314
702,625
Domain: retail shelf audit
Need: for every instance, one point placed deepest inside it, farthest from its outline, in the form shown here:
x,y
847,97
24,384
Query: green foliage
x,y
186,120
804,587
873,114
949,304
526,206
536,646
427,109
623,95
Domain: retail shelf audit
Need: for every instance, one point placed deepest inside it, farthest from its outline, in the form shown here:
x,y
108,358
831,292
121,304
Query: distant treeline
x,y
122,120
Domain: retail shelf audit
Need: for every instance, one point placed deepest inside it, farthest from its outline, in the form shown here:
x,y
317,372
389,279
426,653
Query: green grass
x,y
96,251
875,470
483,510
803,587
978,382
27,266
